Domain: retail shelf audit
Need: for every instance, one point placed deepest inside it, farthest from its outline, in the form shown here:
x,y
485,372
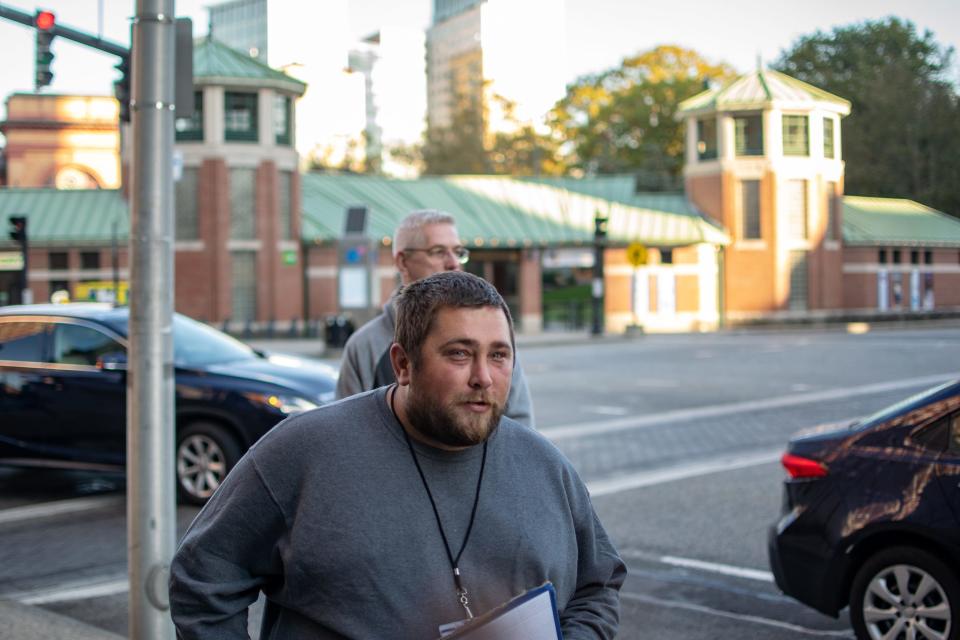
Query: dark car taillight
x,y
800,468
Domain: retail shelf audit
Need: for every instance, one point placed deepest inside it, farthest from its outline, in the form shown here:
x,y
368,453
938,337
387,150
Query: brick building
x,y
762,232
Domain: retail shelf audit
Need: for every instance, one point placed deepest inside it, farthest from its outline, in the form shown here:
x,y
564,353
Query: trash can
x,y
338,329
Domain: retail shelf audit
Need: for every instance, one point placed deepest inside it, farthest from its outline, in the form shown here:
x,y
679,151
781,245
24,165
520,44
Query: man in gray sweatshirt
x,y
425,242
403,509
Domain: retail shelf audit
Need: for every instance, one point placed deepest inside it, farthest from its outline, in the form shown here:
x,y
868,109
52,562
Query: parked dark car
x,y
871,520
63,384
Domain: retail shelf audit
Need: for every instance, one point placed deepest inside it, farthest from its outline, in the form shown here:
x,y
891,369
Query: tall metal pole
x,y
151,524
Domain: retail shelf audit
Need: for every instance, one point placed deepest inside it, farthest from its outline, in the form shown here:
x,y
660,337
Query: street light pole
x,y
151,513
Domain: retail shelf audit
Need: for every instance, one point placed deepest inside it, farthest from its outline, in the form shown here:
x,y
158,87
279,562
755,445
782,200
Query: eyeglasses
x,y
460,254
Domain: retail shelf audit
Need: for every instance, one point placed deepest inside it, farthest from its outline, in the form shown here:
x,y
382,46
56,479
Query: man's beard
x,y
446,425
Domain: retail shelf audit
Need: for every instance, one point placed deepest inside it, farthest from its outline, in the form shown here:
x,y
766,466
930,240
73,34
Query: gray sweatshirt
x,y
328,517
366,365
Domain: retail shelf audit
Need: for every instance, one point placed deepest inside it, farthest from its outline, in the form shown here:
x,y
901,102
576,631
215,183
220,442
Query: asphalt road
x,y
677,436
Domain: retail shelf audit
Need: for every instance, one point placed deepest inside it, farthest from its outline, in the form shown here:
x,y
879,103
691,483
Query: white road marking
x,y
689,606
607,486
46,510
716,567
581,429
606,410
79,590
700,565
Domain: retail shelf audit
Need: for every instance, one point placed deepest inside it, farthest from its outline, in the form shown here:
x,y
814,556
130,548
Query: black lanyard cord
x,y
454,561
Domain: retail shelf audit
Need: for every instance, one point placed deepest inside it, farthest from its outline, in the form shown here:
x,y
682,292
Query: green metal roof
x,y
491,211
216,63
495,211
67,217
895,221
761,89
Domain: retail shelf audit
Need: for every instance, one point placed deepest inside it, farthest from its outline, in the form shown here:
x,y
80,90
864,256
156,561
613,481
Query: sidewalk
x,y
317,348
26,622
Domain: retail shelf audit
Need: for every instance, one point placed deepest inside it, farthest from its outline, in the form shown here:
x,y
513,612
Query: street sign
x,y
637,254
11,260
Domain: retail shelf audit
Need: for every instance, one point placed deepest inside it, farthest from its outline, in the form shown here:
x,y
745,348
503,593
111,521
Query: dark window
x,y
828,138
75,344
749,135
833,212
896,256
934,436
928,256
666,256
240,116
883,256
191,128
281,119
914,257
58,261
59,285
187,225
955,433
796,138
285,192
22,341
243,224
750,210
89,259
707,139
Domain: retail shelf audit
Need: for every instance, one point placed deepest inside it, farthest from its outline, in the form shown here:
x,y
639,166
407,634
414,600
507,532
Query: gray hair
x,y
409,232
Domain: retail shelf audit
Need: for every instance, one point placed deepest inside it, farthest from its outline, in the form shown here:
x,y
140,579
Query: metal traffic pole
x,y
151,512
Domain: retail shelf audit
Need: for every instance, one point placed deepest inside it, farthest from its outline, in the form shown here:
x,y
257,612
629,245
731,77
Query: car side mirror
x,y
114,361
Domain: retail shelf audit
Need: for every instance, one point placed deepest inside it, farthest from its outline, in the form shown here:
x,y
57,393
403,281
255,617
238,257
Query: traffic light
x,y
599,227
18,229
121,88
45,22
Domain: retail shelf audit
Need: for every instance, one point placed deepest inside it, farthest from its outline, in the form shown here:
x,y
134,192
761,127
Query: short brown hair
x,y
419,302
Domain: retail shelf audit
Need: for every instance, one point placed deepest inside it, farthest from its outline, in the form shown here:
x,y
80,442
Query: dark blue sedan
x,y
871,520
63,384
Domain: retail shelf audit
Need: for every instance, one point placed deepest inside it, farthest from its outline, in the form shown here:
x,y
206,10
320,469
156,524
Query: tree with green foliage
x,y
903,132
622,120
523,151
458,148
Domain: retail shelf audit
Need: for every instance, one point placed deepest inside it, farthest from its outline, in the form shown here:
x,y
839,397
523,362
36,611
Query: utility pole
x,y
151,513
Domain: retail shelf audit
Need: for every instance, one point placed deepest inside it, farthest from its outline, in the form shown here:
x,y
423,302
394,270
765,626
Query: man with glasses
x,y
425,243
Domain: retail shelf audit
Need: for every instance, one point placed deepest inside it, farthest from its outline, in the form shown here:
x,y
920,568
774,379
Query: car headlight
x,y
285,404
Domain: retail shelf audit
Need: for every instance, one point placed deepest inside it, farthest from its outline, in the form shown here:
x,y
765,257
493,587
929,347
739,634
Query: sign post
x,y
637,256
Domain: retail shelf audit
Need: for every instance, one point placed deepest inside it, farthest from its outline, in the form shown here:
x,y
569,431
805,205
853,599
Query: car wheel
x,y
205,454
903,592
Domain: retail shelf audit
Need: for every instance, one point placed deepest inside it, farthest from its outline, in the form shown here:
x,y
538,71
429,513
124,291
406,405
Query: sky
x,y
599,33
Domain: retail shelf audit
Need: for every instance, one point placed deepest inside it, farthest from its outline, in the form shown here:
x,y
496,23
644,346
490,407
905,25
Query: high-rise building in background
x,y
496,60
241,25
363,98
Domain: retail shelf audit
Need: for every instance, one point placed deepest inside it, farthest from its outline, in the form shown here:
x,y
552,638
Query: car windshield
x,y
195,344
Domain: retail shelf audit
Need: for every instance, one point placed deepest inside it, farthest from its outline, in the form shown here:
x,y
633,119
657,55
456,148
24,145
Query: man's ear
x,y
401,364
400,262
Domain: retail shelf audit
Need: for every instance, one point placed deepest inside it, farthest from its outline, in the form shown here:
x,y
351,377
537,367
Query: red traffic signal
x,y
45,20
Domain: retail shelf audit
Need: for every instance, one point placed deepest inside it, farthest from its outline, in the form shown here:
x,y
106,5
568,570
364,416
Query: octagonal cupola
x,y
763,114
